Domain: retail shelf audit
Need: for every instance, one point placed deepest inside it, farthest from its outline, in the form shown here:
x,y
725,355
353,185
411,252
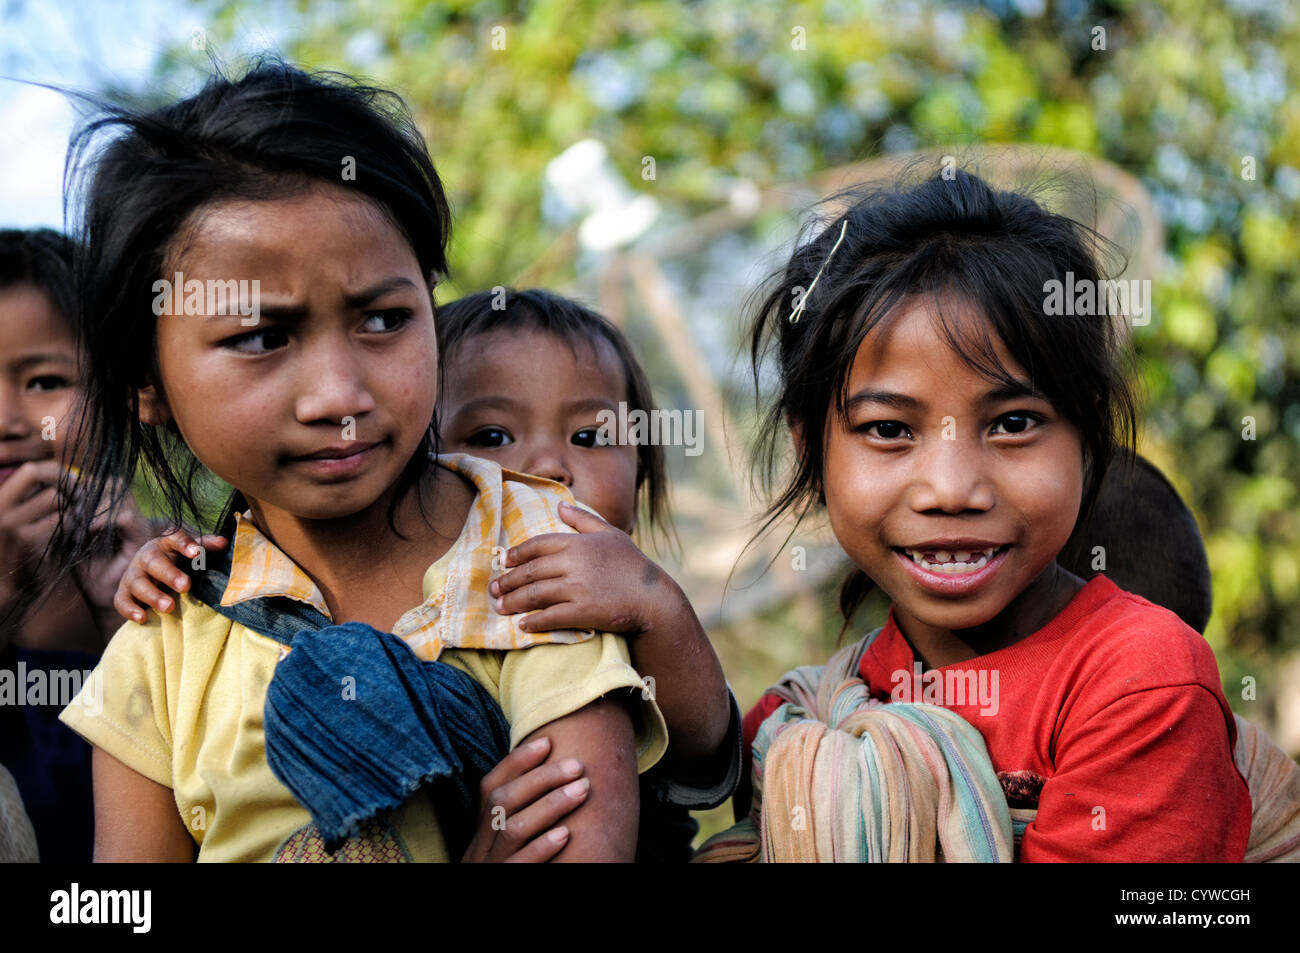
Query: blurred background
x,y
656,159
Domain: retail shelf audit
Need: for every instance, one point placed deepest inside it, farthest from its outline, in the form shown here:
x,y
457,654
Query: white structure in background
x,y
582,181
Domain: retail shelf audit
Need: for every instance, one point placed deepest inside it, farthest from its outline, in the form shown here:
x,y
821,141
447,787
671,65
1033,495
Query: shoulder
x,y
1127,644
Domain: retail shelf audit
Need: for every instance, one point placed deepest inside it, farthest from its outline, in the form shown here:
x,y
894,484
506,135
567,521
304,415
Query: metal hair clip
x,y
794,315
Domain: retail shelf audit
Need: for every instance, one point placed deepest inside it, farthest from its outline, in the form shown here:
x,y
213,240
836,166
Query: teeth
x,y
952,563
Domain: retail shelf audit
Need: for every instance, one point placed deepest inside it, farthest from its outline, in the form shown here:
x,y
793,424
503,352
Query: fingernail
x,y
558,835
192,551
538,745
494,588
178,581
165,604
500,605
577,788
570,765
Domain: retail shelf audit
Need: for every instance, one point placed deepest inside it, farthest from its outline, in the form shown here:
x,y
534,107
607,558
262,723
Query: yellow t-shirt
x,y
180,700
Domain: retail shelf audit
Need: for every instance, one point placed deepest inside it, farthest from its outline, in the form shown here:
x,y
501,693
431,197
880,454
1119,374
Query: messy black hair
x,y
43,258
541,310
273,132
945,236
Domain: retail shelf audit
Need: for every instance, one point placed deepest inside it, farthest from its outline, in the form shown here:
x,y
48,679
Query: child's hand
x,y
29,511
521,799
155,562
596,579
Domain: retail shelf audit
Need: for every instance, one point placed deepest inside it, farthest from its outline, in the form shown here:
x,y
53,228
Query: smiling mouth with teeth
x,y
954,562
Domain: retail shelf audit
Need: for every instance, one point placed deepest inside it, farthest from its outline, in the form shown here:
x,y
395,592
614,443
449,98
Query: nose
x,y
334,383
549,462
951,478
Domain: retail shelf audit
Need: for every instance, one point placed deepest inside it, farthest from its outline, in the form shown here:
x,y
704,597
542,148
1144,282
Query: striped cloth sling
x,y
841,777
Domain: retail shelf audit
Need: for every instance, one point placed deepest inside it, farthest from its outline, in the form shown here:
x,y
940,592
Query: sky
x,y
84,44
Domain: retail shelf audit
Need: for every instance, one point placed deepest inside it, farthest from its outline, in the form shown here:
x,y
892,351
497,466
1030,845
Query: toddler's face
x,y
316,408
38,379
953,497
528,400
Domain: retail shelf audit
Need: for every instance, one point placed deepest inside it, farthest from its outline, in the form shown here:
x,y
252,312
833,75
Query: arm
x,y
598,579
604,826
1149,778
135,818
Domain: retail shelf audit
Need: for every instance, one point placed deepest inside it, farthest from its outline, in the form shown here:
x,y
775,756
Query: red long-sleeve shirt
x,y
1116,704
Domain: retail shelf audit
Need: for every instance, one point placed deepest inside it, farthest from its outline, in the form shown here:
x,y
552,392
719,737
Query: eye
x,y
1017,422
590,437
48,382
489,437
885,429
382,322
258,342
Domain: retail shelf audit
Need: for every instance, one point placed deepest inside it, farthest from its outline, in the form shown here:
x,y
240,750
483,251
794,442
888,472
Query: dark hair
x,y
273,132
994,250
41,257
538,309
1150,540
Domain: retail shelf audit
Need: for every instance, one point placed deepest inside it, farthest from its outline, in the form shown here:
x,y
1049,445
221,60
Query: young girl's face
x,y
953,496
38,379
316,408
528,400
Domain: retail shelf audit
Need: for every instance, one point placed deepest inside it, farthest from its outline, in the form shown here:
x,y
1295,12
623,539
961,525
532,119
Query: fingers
x,y
157,558
566,615
523,811
514,765
535,595
27,479
535,570
35,508
582,520
515,795
544,545
542,849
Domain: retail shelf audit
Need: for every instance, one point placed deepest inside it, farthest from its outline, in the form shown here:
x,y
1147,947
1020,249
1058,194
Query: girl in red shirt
x,y
953,413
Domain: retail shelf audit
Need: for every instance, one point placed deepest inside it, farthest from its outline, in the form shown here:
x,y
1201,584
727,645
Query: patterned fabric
x,y
1274,782
509,508
841,777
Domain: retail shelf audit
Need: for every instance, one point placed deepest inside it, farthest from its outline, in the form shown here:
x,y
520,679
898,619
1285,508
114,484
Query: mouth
x,y
953,567
339,461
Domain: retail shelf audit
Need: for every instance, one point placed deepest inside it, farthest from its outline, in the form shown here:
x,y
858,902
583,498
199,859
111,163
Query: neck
x,y
1037,605
353,553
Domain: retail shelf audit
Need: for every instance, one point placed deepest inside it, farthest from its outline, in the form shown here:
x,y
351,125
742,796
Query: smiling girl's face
x,y
314,410
953,495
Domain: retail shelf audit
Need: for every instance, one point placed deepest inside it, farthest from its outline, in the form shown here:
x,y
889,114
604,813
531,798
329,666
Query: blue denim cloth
x,y
356,723
351,749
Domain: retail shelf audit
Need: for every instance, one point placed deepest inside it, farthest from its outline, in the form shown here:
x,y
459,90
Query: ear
x,y
153,406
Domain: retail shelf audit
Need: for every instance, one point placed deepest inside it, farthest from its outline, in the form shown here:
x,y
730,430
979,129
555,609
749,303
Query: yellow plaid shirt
x,y
510,507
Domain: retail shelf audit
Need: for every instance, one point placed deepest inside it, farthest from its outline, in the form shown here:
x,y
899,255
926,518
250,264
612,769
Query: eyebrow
x,y
1003,392
359,299
494,402
44,357
363,297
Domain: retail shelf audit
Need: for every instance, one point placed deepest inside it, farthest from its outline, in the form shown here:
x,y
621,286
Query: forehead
x,y
912,343
535,363
29,322
318,227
